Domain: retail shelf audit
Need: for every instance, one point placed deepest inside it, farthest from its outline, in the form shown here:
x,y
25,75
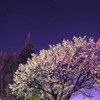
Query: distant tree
x,y
9,64
25,54
26,51
7,69
60,72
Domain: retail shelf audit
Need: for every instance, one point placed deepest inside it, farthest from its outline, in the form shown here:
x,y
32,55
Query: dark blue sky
x,y
49,21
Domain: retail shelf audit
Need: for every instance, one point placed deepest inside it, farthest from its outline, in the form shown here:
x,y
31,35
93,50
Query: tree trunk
x,y
68,97
55,97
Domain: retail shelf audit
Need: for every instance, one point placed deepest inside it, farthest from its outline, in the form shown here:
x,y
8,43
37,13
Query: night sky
x,y
48,21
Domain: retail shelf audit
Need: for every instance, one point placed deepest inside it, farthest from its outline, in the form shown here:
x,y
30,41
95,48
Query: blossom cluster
x,y
62,70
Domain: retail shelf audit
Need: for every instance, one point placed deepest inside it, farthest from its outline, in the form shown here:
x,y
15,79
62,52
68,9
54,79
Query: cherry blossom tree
x,y
61,72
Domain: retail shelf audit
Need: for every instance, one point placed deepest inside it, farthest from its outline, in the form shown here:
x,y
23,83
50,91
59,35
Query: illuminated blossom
x,y
61,71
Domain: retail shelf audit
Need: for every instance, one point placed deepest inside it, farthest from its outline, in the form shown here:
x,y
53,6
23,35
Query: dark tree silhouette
x,y
7,69
9,64
26,51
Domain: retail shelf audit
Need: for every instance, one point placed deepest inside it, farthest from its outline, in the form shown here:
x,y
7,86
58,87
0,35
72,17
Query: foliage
x,y
60,72
36,97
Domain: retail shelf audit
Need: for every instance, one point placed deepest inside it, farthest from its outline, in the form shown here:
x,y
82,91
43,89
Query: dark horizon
x,y
15,46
